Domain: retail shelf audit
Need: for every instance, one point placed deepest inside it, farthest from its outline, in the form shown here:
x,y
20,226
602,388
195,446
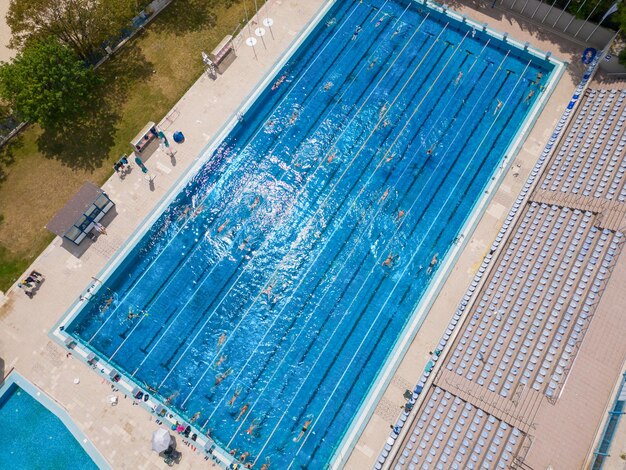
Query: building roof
x,y
74,209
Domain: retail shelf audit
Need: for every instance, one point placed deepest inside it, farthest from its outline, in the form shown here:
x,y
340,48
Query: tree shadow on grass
x,y
184,16
85,141
7,154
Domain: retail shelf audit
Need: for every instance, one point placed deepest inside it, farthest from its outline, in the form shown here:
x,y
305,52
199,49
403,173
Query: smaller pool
x,y
35,432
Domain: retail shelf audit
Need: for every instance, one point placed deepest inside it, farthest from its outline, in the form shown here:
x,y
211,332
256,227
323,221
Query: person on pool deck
x,y
242,411
433,263
231,402
304,429
498,106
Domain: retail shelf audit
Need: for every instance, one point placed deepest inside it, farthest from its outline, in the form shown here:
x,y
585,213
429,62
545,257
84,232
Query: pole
x,y
574,16
581,26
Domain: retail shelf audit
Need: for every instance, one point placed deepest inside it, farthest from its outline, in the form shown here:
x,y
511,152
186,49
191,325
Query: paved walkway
x,y
5,33
122,433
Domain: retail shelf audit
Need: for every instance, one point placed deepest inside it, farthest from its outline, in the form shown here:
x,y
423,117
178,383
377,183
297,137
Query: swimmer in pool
x,y
357,30
385,194
255,203
386,122
266,465
529,96
303,431
429,152
279,82
400,215
253,426
243,244
244,456
433,263
390,259
242,411
220,361
458,78
232,400
222,227
328,86
498,106
195,417
382,111
268,291
220,378
220,340
331,157
538,79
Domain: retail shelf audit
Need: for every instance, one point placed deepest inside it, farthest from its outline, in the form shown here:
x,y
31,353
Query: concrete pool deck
x,y
122,433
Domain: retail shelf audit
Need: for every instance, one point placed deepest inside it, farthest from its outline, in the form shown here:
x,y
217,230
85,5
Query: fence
x,y
611,426
547,15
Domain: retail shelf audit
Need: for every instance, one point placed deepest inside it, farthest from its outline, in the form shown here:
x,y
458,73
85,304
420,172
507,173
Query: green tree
x,y
46,82
82,25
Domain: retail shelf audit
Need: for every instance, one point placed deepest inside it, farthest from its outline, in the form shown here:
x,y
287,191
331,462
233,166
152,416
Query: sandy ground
x,y
5,33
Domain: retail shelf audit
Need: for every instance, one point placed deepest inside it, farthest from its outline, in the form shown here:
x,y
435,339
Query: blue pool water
x,y
34,438
269,293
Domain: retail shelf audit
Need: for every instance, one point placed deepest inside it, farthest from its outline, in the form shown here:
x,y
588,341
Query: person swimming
x,y
279,82
222,227
433,263
232,400
266,465
328,86
529,96
169,399
382,111
220,361
242,411
400,215
389,260
255,203
268,291
243,457
331,157
243,244
458,78
429,152
357,30
303,431
385,194
195,417
131,314
498,106
220,378
539,77
253,426
373,62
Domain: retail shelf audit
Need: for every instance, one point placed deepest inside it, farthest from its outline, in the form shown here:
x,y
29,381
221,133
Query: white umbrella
x,y
161,440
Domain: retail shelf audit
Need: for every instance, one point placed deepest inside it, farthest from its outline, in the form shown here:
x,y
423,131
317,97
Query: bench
x,y
223,55
143,139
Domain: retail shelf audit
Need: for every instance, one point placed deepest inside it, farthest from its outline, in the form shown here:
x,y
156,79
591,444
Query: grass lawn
x,y
40,170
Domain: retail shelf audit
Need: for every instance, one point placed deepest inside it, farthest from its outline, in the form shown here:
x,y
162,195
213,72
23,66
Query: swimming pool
x,y
264,301
34,436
